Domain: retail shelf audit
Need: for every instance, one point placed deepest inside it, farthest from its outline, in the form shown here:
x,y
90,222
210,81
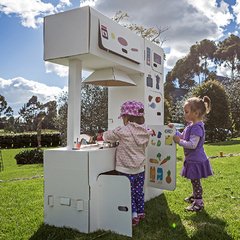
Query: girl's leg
x,y
197,188
139,193
133,193
197,192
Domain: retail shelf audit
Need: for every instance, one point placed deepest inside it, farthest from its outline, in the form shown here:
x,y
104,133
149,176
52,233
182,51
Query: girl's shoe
x,y
141,216
189,199
135,221
196,206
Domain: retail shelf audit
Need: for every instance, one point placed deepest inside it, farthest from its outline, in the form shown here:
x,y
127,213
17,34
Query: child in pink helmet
x,y
133,139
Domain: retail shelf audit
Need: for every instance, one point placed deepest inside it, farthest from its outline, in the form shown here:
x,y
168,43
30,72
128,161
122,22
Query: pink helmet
x,y
132,108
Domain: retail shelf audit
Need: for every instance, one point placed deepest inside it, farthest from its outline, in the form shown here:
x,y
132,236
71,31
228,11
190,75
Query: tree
x,y
228,54
219,117
6,112
94,110
51,113
183,72
202,53
60,120
32,114
233,91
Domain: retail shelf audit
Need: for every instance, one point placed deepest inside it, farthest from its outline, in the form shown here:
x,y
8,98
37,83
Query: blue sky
x,y
23,72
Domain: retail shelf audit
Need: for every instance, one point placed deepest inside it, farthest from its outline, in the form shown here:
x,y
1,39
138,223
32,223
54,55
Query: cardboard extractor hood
x,y
109,77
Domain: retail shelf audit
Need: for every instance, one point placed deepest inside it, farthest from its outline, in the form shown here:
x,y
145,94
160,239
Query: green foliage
x,y
183,74
48,139
167,113
220,116
233,91
177,109
94,110
30,156
228,54
197,62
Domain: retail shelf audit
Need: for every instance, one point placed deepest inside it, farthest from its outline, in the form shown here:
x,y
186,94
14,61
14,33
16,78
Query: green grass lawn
x,y
21,204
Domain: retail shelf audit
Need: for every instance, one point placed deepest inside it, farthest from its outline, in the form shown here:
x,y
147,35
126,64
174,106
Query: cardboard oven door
x,y
114,199
161,158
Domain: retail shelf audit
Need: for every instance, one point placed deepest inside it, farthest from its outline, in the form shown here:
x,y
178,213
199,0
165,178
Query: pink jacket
x,y
130,154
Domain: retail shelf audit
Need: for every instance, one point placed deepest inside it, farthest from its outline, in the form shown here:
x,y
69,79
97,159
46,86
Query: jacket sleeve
x,y
111,135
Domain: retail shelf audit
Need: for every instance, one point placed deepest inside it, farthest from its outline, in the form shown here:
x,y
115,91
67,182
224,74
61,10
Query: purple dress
x,y
196,164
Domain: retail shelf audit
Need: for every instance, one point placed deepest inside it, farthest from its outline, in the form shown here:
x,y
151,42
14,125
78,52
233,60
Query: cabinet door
x,y
161,158
114,204
66,189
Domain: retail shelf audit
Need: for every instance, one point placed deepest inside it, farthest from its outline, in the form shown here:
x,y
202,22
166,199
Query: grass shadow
x,y
160,222
208,227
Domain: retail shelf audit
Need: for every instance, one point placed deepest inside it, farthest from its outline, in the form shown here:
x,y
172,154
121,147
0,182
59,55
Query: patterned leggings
x,y
137,183
197,188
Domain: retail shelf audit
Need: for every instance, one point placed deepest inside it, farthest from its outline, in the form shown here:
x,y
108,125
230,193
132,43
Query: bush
x,y
220,115
30,156
218,134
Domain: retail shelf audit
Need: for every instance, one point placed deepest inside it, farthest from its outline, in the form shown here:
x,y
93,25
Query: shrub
x,y
29,156
220,115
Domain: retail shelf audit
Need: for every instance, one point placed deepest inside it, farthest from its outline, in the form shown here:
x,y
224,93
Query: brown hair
x,y
137,119
203,105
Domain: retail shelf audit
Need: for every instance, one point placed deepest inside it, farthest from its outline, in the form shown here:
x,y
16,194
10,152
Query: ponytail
x,y
207,103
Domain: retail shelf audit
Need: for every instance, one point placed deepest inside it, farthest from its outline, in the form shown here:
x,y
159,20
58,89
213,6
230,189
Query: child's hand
x,y
151,132
176,139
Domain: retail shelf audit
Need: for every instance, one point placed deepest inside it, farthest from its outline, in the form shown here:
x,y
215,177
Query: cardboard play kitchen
x,y
79,190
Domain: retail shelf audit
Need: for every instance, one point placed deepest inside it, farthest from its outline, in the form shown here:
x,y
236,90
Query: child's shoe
x,y
189,199
135,221
141,216
197,206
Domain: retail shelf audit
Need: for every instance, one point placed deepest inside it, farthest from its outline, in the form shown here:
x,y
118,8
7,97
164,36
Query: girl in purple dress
x,y
196,164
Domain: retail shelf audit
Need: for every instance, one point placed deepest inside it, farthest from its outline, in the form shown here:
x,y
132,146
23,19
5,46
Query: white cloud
x,y
220,15
31,12
17,91
87,3
236,10
60,70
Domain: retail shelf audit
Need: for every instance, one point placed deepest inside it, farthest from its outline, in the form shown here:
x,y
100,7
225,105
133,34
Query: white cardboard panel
x,y
66,182
65,170
67,216
66,34
121,41
114,191
100,161
112,58
161,158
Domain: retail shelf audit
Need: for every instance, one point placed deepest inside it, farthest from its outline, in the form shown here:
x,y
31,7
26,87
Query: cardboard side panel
x,y
66,34
161,158
153,80
114,198
100,161
66,189
111,46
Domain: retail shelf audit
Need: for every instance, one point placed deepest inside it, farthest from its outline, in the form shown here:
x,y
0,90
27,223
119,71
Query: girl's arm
x,y
111,135
179,134
191,144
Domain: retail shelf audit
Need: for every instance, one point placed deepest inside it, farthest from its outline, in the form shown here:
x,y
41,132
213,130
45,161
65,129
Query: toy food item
x,y
151,160
165,160
168,177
